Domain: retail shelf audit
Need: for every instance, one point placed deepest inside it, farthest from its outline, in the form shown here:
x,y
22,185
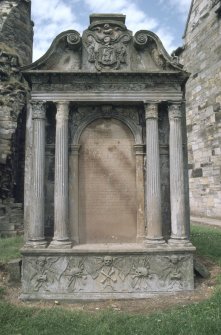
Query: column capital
x,y
174,109
62,110
151,110
38,109
74,149
139,149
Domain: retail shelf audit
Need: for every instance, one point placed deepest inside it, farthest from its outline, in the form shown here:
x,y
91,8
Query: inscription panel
x,y
107,188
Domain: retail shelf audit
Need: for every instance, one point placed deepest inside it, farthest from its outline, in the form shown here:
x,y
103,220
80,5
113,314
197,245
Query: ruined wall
x,y
15,50
202,58
16,28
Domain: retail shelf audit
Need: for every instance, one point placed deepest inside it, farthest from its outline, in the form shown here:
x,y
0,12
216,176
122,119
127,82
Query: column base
x,y
154,241
38,244
179,241
60,244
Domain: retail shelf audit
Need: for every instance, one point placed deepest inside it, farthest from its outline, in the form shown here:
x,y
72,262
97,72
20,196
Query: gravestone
x,y
106,197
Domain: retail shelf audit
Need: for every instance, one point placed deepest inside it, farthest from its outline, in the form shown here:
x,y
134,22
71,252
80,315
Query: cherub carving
x,y
43,274
174,272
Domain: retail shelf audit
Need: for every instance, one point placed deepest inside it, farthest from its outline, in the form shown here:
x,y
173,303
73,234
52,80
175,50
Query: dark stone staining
x,y
218,116
6,184
216,107
18,158
50,124
206,164
197,173
190,166
189,128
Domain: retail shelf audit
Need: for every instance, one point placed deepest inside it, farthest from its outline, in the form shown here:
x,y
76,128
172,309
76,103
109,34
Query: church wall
x,y
202,58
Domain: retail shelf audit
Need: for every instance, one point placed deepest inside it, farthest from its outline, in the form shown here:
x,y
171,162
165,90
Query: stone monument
x,y
106,195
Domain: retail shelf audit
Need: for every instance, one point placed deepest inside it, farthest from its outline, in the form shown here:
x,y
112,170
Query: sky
x,y
166,18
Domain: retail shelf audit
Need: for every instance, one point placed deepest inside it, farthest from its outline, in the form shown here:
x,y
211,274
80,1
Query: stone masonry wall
x,y
16,28
202,58
15,51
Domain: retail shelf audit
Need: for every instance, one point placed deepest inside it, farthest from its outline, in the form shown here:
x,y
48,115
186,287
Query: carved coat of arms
x,y
106,45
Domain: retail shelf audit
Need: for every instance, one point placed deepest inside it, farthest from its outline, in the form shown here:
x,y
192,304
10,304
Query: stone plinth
x,y
98,271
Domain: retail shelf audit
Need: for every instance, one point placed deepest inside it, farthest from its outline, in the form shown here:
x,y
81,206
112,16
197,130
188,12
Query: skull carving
x,y
108,260
142,272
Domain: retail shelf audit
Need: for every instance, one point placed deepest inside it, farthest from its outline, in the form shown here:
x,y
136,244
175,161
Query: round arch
x,y
134,128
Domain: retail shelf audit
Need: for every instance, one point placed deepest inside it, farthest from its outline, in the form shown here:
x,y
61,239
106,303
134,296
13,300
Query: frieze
x,y
128,81
107,273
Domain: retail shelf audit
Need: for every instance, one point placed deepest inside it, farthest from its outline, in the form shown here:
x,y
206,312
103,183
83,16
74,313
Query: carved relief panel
x,y
107,274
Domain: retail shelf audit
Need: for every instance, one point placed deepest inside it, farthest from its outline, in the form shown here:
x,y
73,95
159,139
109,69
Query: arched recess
x,y
135,224
104,167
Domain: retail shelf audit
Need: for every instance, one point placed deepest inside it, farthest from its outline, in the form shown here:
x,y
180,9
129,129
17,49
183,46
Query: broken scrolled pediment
x,y
107,46
64,54
146,42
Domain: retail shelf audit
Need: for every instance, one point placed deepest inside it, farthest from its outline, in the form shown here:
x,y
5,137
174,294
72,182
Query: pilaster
x,y
139,152
74,192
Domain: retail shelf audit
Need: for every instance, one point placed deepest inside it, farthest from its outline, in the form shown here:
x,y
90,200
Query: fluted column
x,y
36,226
139,152
177,190
153,187
61,239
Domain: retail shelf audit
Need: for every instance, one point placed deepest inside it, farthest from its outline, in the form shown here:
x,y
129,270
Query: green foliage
x,y
200,318
207,241
2,292
9,248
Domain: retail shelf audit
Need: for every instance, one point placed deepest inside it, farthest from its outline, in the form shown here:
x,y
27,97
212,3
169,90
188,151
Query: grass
x,y
202,318
9,248
197,319
207,241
